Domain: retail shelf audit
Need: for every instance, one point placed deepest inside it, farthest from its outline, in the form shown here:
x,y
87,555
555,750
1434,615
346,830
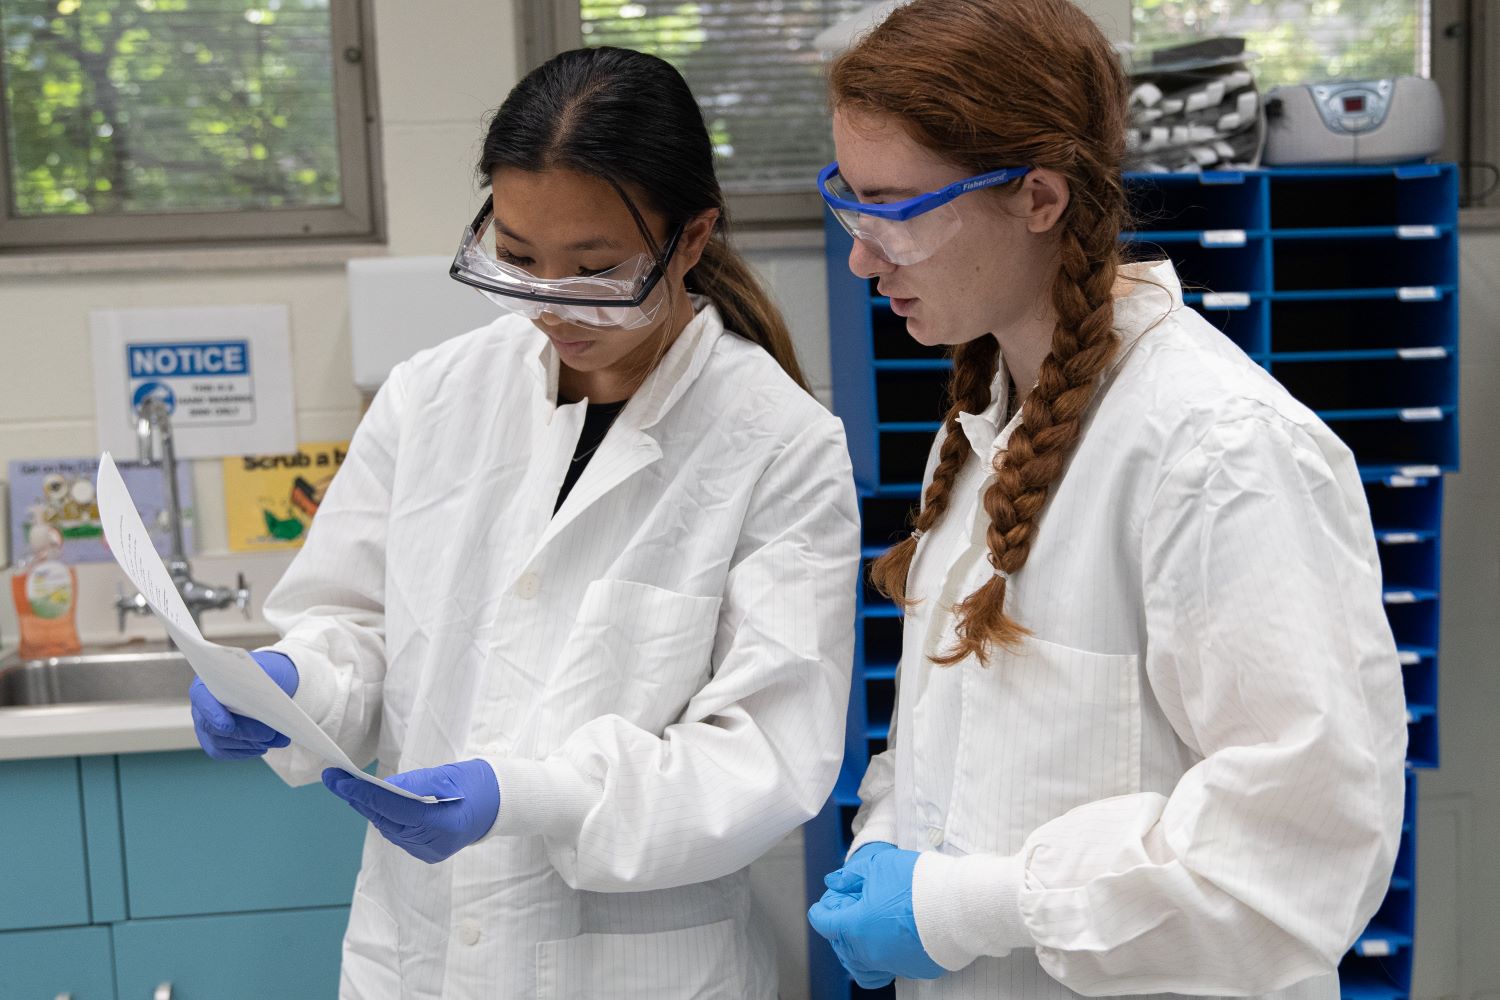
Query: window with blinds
x,y
1300,41
755,71
157,120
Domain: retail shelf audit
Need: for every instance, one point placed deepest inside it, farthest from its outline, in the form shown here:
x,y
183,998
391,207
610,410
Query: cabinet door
x,y
40,965
43,881
253,956
209,836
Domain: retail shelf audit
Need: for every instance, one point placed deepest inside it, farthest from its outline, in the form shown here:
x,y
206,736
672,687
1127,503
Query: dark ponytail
x,y
629,118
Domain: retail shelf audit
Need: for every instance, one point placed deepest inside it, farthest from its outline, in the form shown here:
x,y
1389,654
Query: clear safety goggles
x,y
905,232
620,297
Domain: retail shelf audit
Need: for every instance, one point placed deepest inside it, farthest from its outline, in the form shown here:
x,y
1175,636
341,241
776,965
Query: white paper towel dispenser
x,y
401,305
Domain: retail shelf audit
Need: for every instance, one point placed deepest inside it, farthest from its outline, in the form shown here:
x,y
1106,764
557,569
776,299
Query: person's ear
x,y
695,237
1044,198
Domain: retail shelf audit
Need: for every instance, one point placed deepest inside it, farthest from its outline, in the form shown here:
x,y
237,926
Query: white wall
x,y
440,68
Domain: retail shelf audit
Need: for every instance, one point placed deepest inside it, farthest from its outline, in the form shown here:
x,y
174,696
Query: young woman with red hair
x,y
1150,728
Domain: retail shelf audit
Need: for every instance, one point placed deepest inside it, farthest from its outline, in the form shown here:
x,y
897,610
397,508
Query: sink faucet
x,y
153,423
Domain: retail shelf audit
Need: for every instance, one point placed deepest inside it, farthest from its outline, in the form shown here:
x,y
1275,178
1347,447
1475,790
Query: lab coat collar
x,y
678,369
627,448
1154,293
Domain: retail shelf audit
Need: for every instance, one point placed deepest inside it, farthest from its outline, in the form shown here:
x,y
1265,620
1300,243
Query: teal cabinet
x,y
73,962
292,953
207,836
42,861
119,874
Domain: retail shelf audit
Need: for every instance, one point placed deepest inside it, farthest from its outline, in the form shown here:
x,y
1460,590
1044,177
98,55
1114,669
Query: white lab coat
x,y
658,674
1189,780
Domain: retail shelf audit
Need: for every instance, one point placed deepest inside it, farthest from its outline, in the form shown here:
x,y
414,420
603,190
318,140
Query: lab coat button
x,y
468,932
528,586
935,836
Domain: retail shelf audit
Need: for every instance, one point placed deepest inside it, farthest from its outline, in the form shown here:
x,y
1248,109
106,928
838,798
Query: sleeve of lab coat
x,y
330,605
758,747
1268,649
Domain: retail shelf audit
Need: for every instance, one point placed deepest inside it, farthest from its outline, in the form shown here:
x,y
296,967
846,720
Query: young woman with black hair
x,y
588,573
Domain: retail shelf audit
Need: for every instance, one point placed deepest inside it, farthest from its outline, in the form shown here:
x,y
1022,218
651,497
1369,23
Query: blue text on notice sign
x,y
189,358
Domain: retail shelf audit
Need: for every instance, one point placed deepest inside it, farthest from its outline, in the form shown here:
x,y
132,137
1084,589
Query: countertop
x,y
99,728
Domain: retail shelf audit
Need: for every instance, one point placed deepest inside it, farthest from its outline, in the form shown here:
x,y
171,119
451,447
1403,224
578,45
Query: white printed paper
x,y
230,674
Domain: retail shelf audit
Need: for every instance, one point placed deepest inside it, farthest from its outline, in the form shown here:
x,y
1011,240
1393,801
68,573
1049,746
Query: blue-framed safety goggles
x,y
908,231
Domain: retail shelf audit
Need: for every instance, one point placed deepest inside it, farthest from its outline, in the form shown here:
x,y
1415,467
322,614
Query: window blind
x,y
754,69
1299,41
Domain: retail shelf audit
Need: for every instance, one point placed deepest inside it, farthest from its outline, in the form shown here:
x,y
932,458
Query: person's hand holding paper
x,y
230,675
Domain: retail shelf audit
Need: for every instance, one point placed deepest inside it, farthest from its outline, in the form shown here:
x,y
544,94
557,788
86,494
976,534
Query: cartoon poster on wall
x,y
60,492
270,500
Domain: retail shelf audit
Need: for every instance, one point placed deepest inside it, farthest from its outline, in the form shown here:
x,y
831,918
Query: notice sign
x,y
270,500
203,384
223,373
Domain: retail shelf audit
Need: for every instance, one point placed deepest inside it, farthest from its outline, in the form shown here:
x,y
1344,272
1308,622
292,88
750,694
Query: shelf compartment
x,y
1414,625
1341,264
911,396
903,455
1408,565
1215,269
1389,197
882,639
1183,203
1371,384
1422,742
1375,978
1244,323
1363,324
1405,505
1390,444
880,703
884,520
892,342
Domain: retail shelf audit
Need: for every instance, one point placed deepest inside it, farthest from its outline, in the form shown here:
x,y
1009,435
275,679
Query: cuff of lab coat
x,y
968,907
317,691
876,826
548,798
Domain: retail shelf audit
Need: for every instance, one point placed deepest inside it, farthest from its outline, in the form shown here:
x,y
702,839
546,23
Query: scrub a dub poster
x,y
270,500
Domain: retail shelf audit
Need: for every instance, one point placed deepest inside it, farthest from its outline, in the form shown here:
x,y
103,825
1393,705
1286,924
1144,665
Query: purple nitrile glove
x,y
428,831
227,736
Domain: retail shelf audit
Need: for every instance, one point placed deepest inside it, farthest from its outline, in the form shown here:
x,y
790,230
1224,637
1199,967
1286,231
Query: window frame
x,y
359,218
1467,64
548,27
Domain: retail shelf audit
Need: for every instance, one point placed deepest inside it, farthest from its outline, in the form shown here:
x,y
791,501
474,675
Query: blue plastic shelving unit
x,y
1342,283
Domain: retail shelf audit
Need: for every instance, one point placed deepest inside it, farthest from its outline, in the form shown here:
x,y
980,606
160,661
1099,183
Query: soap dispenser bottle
x,y
46,594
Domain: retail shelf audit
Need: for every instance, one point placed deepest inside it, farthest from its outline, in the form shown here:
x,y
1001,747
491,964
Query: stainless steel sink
x,y
134,672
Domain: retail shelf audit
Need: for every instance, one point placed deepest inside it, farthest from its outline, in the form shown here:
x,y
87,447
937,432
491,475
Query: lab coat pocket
x,y
1043,729
636,651
699,963
372,966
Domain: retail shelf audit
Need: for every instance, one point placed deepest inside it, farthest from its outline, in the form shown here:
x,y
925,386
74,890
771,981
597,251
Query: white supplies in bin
x,y
1194,107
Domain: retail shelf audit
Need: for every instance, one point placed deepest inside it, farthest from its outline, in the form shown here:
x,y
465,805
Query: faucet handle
x,y
242,595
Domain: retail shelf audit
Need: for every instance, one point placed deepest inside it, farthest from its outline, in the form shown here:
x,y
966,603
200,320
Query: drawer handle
x,y
163,992
64,996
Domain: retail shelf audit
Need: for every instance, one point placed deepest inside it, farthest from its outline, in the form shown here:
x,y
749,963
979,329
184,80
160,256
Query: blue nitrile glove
x,y
429,832
872,927
226,736
844,887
